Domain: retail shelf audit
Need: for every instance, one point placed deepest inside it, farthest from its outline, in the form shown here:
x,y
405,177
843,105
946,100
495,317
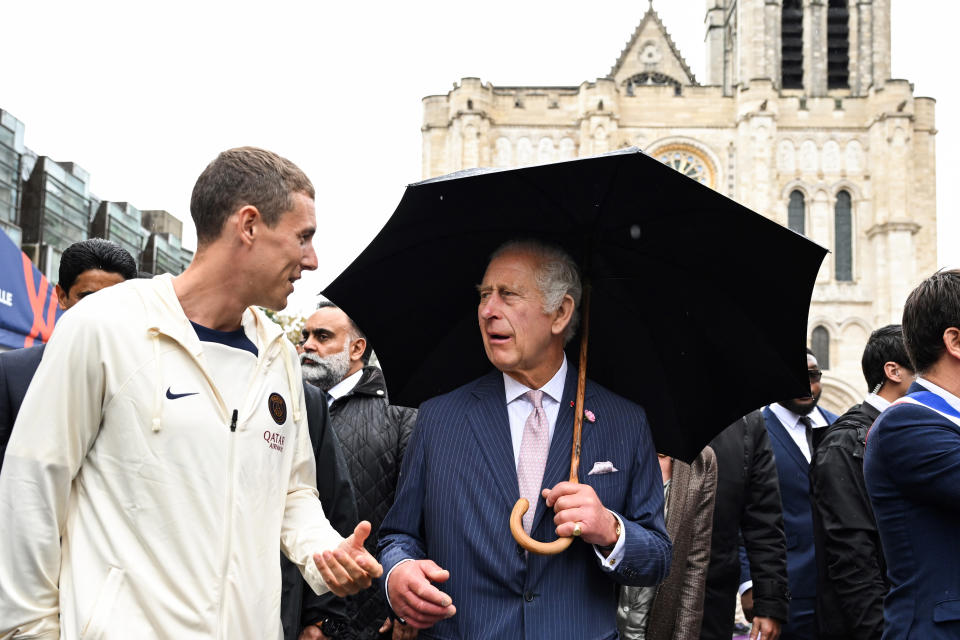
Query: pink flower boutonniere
x,y
587,414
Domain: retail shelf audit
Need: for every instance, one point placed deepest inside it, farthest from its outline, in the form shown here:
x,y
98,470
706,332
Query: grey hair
x,y
556,276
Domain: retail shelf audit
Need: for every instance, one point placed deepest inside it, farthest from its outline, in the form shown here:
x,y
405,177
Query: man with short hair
x,y
792,425
476,450
912,470
151,497
851,581
335,357
85,268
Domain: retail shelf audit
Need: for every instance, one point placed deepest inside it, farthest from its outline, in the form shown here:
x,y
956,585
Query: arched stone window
x,y
796,213
791,44
820,345
843,238
838,45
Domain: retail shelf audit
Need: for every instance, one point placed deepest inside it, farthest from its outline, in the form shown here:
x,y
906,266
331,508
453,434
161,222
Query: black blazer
x,y
16,371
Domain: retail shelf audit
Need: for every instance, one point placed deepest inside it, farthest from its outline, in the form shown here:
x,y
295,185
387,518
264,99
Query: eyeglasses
x,y
815,374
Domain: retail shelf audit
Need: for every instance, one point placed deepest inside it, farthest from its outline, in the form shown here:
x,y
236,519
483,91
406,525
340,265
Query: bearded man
x,y
794,426
373,436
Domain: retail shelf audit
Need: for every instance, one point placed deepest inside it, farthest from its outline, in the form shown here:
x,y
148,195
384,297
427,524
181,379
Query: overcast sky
x,y
143,96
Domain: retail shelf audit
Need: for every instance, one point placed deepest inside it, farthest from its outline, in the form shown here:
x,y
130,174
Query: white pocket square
x,y
600,468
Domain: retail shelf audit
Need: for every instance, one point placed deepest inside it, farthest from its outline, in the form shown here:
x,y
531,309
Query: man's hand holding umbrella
x,y
579,512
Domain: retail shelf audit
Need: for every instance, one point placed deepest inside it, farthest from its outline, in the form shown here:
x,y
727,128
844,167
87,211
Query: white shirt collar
x,y
951,399
789,419
345,386
876,402
553,388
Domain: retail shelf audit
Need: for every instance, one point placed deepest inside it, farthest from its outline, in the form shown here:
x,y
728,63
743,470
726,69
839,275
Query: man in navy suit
x,y
912,469
85,267
474,448
793,426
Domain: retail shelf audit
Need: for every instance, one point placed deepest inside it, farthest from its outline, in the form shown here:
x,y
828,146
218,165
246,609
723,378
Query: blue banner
x,y
28,303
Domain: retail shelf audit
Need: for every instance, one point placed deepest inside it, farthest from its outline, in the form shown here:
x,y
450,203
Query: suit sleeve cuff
x,y
386,582
613,559
746,586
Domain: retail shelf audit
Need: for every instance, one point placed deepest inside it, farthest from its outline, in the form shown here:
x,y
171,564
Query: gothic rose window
x,y
689,161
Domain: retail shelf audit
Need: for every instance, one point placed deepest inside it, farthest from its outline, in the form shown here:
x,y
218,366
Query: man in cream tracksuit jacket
x,y
140,500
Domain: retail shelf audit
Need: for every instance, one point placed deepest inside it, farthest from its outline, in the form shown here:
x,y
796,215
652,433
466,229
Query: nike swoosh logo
x,y
174,396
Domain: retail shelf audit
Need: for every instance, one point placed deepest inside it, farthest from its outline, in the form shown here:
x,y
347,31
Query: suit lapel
x,y
779,432
490,424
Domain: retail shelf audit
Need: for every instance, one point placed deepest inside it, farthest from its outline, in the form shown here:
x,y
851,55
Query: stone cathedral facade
x,y
798,119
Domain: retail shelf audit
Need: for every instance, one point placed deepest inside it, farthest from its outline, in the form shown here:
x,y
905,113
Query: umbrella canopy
x,y
699,305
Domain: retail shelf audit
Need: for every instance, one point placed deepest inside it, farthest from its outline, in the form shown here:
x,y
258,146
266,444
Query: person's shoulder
x,y
465,394
845,429
110,307
901,415
19,358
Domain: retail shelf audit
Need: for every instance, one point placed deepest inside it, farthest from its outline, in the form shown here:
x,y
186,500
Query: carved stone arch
x,y
856,193
796,185
710,171
837,395
854,320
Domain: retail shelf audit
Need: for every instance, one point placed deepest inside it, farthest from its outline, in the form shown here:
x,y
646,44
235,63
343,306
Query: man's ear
x,y
893,371
61,297
357,347
563,315
951,341
247,221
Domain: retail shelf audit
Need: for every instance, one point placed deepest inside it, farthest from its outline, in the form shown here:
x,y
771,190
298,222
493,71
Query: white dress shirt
x,y
796,429
344,387
876,402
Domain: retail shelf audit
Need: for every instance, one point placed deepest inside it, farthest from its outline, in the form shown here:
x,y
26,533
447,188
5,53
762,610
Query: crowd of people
x,y
168,441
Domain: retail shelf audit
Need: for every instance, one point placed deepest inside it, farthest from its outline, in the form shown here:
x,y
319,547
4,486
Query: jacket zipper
x,y
228,523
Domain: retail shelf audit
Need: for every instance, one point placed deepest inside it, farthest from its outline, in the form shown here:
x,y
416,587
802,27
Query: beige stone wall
x,y
875,140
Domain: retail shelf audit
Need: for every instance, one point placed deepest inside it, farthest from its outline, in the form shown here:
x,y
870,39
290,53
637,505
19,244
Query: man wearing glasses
x,y
794,427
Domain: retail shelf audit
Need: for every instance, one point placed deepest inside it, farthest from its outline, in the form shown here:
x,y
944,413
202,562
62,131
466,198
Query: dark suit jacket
x,y
912,468
677,611
16,371
793,471
458,484
747,506
299,605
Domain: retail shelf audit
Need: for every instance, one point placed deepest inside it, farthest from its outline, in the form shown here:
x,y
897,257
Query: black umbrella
x,y
699,305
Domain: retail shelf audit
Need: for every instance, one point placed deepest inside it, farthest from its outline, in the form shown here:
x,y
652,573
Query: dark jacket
x,y
851,581
16,371
373,435
748,501
299,605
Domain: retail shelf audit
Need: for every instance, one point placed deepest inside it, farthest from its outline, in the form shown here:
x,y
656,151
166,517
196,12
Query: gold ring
x,y
577,530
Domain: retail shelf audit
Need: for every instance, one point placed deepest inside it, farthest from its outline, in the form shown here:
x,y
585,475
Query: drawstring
x,y
158,394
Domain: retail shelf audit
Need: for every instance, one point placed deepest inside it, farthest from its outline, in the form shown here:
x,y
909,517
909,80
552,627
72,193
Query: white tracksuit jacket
x,y
126,514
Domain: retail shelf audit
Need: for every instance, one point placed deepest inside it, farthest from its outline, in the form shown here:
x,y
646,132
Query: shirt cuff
x,y
386,581
616,555
746,586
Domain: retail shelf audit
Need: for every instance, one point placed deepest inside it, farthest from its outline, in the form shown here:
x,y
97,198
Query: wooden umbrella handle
x,y
520,508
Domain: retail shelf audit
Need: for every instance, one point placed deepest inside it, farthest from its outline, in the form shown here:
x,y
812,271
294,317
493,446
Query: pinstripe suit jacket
x,y
458,484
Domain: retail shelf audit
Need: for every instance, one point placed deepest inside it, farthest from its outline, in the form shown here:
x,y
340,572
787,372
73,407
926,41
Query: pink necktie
x,y
534,447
